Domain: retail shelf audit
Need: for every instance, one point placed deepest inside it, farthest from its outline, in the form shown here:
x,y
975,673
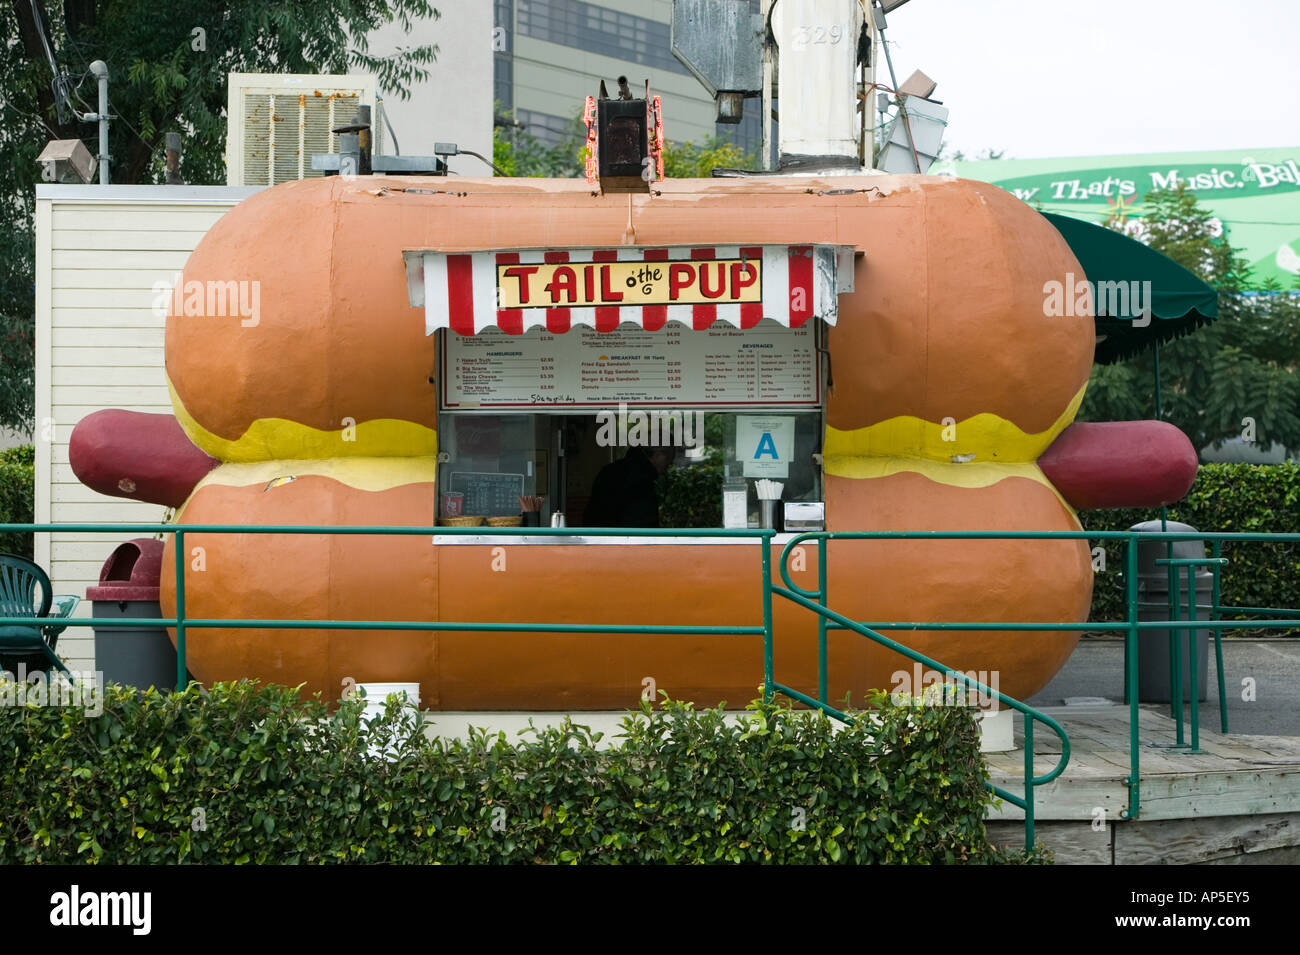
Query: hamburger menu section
x,y
630,387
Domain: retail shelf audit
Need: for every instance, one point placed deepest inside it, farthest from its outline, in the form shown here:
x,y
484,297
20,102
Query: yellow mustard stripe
x,y
972,474
366,474
277,438
989,437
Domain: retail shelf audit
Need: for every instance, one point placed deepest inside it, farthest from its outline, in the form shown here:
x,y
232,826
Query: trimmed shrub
x,y
1226,497
17,483
248,773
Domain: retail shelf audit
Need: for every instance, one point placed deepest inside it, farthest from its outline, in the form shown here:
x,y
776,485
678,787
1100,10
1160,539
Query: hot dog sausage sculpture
x,y
951,408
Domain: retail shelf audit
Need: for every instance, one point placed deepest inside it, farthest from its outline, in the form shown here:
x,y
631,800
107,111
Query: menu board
x,y
767,365
488,493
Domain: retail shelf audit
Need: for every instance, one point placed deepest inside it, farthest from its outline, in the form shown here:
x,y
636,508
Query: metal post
x,y
182,680
765,102
1029,783
1155,350
1175,659
99,69
1191,657
1131,675
173,141
902,105
1215,596
824,599
765,545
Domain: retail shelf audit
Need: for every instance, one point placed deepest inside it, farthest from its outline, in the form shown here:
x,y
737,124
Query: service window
x,y
530,421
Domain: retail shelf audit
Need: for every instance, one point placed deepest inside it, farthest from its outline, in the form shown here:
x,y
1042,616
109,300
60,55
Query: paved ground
x,y
1097,669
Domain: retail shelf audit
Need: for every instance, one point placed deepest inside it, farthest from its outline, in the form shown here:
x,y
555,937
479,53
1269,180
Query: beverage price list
x,y
720,366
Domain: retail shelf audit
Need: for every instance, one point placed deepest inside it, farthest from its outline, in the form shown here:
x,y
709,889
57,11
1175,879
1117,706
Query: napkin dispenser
x,y
805,516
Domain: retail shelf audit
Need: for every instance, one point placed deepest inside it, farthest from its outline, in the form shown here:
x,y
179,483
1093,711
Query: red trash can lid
x,y
132,572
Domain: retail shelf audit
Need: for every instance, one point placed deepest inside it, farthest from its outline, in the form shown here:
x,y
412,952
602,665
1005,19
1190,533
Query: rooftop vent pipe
x,y
817,58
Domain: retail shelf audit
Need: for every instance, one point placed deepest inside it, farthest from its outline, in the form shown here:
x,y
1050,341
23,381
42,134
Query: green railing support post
x,y
182,671
1216,614
1175,656
1134,780
824,599
765,545
1029,782
1193,675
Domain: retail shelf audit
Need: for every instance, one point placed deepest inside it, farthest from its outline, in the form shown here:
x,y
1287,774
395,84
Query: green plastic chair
x,y
19,580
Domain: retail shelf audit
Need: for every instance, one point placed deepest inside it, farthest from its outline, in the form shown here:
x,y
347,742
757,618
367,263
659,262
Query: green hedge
x,y
1225,497
17,483
247,773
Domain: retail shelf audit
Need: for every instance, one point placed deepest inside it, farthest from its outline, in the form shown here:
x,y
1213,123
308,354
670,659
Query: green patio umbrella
x,y
1179,302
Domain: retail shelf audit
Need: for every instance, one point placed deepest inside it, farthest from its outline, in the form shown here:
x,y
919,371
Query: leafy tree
x,y
1240,371
698,160
519,153
168,69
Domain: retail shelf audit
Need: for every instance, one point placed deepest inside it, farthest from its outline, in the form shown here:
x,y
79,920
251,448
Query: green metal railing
x,y
827,619
1131,626
815,601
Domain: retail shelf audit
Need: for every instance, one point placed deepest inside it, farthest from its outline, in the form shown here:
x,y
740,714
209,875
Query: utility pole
x,y
99,70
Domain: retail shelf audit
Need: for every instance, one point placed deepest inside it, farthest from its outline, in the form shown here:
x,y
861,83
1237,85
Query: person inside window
x,y
623,494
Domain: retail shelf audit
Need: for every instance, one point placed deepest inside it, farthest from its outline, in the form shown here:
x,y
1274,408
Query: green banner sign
x,y
1255,194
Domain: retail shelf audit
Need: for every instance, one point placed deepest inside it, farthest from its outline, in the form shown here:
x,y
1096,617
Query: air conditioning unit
x,y
276,121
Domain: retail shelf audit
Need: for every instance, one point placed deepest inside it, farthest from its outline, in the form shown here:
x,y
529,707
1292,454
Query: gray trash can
x,y
1153,604
128,587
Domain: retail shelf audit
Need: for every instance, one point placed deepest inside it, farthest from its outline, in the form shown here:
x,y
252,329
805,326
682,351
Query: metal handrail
x,y
1176,654
803,598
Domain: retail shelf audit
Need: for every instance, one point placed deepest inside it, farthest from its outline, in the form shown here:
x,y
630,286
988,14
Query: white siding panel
x,y
106,218
116,357
80,376
115,318
94,553
79,336
100,336
113,278
88,299
100,345
141,241
140,394
93,260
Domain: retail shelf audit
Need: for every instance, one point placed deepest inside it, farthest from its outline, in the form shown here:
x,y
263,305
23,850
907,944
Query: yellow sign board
x,y
584,284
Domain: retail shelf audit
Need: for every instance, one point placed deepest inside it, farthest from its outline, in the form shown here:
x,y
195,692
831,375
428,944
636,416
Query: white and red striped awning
x,y
556,289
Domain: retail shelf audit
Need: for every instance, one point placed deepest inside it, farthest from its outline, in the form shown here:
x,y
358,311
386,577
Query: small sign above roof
x,y
516,290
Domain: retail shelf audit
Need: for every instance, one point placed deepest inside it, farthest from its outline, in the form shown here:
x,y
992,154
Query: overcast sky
x,y
1042,78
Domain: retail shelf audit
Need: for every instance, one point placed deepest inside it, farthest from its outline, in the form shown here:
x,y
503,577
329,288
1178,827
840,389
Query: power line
x,y
118,114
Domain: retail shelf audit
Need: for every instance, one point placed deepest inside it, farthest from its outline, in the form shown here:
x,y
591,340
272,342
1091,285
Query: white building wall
x,y
99,251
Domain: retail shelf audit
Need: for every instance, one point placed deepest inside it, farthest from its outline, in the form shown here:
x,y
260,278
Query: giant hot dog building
x,y
428,350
